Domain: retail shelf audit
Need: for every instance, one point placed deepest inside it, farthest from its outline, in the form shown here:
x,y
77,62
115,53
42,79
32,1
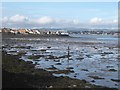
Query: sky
x,y
59,0
59,14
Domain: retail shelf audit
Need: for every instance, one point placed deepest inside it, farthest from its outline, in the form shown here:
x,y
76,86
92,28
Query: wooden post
x,y
68,56
68,52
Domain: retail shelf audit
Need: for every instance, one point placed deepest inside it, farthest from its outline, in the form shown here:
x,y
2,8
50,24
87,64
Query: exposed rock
x,y
84,69
95,77
43,50
115,80
80,58
69,68
63,72
35,56
48,47
58,64
93,81
109,66
52,57
112,70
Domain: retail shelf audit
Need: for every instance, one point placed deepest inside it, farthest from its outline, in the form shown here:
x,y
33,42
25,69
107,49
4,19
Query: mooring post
x,y
68,55
68,52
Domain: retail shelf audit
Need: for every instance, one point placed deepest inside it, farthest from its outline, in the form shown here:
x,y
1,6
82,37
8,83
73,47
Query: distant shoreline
x,y
7,35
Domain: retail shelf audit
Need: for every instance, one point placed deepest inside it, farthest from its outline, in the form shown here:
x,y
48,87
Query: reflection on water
x,y
92,59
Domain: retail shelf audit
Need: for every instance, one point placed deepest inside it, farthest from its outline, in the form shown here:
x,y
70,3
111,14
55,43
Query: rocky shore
x,y
17,73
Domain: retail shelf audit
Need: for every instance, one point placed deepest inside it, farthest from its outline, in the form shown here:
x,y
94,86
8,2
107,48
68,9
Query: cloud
x,y
115,21
4,19
20,21
45,20
76,22
18,18
96,20
23,21
103,23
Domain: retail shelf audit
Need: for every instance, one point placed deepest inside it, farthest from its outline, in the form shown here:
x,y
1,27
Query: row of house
x,y
33,31
115,33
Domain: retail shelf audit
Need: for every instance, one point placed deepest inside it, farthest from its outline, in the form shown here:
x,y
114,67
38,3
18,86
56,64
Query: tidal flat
x,y
92,61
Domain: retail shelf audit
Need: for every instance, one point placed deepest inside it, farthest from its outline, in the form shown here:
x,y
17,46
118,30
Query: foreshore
x,y
20,74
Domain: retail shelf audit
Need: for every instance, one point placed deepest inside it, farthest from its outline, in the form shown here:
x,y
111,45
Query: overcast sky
x,y
60,14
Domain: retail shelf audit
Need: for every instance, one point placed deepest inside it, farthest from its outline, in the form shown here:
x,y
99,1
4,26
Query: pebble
x,y
75,76
50,86
74,85
69,86
93,81
87,87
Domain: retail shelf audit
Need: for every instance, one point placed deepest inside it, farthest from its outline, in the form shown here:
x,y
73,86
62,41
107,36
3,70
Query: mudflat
x,y
20,74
